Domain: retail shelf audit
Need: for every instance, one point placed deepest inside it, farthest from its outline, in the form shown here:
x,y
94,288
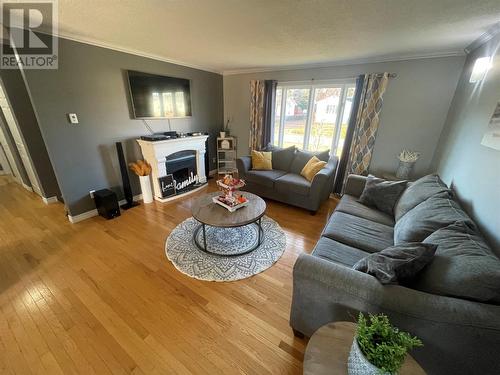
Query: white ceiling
x,y
239,35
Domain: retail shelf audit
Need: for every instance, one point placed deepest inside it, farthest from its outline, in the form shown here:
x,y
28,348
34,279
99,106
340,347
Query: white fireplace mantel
x,y
155,153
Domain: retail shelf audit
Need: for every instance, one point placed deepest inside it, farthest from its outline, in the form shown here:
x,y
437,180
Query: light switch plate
x,y
73,118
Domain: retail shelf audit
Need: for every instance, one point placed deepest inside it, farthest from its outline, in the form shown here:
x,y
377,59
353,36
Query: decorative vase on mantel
x,y
357,364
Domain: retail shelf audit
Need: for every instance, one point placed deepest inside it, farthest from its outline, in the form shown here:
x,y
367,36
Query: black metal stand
x,y
204,248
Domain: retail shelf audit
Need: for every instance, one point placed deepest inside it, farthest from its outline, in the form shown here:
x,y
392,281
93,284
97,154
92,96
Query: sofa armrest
x,y
320,284
244,164
354,185
322,183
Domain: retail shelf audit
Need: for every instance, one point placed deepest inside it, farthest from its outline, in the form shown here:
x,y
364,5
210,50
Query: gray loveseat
x,y
453,305
284,183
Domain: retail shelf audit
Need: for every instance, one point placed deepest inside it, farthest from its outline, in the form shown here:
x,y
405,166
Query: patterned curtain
x,y
257,93
366,125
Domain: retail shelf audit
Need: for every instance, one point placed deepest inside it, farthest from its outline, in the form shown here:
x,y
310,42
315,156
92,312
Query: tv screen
x,y
156,96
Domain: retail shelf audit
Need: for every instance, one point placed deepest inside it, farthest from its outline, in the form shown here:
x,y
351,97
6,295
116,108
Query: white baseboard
x,y
49,200
87,215
213,172
29,188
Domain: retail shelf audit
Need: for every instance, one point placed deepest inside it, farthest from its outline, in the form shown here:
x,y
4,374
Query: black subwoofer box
x,y
106,203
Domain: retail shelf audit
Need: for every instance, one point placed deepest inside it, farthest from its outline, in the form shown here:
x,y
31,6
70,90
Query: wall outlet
x,y
214,160
73,118
91,192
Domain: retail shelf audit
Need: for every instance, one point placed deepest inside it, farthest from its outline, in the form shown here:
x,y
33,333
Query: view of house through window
x,y
312,117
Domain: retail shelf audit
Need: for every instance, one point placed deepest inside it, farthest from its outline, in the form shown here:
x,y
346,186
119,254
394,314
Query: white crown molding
x,y
371,60
88,214
489,34
114,47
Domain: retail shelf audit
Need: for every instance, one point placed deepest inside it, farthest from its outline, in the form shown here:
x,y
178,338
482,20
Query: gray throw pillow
x,y
281,157
464,266
397,263
302,157
435,213
382,194
419,191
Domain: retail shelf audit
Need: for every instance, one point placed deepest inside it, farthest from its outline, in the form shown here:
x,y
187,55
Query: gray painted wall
x,y
28,125
91,82
415,104
461,160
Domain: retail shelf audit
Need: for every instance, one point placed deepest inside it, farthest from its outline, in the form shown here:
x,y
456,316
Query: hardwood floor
x,y
100,297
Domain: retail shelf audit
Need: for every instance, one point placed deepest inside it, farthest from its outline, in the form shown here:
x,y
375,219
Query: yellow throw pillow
x,y
313,166
262,160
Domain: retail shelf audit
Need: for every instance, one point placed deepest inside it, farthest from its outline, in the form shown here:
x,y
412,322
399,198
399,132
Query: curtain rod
x,y
391,75
330,80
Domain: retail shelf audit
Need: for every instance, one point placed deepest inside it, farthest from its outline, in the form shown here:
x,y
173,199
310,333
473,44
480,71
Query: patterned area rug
x,y
182,251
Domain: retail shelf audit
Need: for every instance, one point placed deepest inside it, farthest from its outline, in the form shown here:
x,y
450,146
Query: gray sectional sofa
x,y
453,304
284,183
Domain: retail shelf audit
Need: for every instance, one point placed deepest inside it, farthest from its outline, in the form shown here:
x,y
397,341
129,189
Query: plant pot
x,y
357,364
404,169
222,134
147,194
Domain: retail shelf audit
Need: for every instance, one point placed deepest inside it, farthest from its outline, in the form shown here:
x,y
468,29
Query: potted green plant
x,y
378,347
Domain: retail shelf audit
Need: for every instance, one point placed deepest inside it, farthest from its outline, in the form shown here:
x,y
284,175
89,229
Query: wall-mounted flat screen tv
x,y
155,96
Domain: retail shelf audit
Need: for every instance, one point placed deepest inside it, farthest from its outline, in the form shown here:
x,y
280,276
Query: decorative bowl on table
x,y
230,198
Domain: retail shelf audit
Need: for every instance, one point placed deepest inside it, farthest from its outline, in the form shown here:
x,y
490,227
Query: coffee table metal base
x,y
203,247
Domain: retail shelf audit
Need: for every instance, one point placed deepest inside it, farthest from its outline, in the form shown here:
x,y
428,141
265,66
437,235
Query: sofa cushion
x,y
312,167
264,178
419,191
262,160
302,157
337,252
397,264
382,194
282,157
291,182
350,205
434,213
358,232
463,266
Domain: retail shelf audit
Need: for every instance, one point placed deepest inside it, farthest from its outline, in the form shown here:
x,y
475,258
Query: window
x,y
169,104
312,117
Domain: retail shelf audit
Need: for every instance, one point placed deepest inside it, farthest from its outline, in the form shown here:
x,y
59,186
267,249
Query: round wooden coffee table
x,y
209,213
329,347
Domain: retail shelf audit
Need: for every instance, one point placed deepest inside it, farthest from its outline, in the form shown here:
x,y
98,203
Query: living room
x,y
224,187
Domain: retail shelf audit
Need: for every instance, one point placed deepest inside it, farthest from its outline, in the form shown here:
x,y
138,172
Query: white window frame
x,y
343,84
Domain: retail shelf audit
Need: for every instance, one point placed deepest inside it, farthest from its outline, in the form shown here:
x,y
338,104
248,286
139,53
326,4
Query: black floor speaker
x,y
106,203
129,197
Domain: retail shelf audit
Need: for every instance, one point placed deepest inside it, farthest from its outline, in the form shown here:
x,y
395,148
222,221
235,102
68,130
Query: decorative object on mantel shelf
x,y
378,347
407,160
143,170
